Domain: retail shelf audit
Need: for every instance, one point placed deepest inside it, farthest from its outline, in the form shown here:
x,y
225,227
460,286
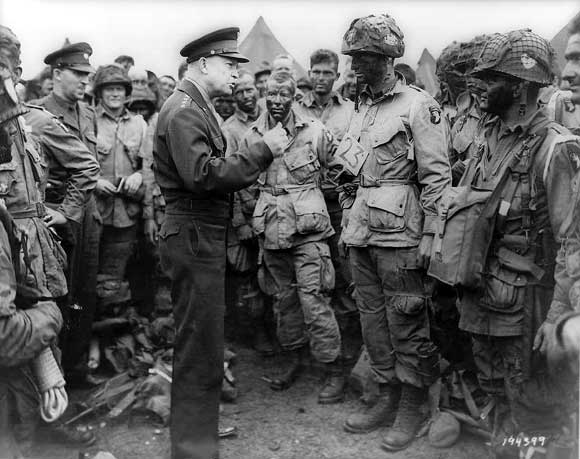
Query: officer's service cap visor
x,y
75,57
223,42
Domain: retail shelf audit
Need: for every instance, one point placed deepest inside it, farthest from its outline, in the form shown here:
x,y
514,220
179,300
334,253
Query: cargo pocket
x,y
302,163
392,142
103,151
311,216
504,289
387,209
189,241
259,217
132,151
327,272
461,143
409,305
8,178
132,208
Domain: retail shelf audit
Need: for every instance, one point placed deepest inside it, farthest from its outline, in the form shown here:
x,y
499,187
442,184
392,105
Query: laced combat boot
x,y
380,414
333,389
408,421
286,379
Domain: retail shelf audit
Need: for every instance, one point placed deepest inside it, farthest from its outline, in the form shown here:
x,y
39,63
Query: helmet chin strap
x,y
523,99
357,94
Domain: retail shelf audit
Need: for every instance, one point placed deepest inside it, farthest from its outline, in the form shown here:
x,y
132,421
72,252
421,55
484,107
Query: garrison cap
x,y
75,57
222,42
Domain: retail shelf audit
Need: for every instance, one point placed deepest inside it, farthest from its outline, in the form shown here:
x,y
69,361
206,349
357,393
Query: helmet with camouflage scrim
x,y
447,58
521,54
9,42
451,79
109,75
374,34
469,53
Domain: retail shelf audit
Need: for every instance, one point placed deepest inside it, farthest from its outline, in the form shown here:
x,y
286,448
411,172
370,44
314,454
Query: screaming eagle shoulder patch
x,y
435,113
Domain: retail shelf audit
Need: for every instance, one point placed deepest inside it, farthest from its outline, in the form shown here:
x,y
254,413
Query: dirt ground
x,y
271,425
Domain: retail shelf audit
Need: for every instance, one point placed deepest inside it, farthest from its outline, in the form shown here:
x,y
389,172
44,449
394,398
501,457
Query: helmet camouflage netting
x,y
374,34
10,42
111,74
521,54
447,59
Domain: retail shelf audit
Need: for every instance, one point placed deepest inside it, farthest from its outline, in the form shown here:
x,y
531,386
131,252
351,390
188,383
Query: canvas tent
x,y
426,73
559,43
261,45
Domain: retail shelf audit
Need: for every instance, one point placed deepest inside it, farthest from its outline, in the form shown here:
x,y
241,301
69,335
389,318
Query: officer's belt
x,y
31,211
198,207
366,181
285,189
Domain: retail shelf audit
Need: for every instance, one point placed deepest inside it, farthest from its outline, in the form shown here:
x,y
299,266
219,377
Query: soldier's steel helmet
x,y
470,51
447,59
111,74
145,96
374,34
10,42
519,53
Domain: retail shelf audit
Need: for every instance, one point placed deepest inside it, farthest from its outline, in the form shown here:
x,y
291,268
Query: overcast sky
x,y
153,32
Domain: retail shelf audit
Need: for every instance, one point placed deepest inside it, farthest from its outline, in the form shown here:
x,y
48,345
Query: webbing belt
x,y
285,189
34,210
366,181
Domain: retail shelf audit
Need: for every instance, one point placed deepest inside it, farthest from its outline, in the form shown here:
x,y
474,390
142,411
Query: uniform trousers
x,y
394,318
81,244
193,256
304,277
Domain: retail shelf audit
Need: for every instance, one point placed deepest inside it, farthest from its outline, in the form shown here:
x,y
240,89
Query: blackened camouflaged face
x,y
279,97
498,95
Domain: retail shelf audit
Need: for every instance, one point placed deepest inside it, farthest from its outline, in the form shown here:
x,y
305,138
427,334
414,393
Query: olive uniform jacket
x,y
190,164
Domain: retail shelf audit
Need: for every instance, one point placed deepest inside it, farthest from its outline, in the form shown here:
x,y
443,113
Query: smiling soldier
x,y
120,189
